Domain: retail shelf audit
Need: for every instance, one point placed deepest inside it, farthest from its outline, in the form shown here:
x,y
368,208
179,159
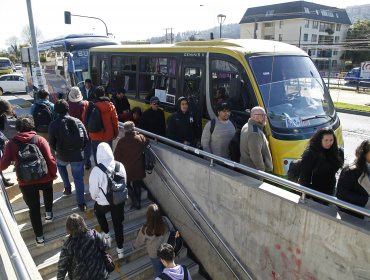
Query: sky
x,y
127,20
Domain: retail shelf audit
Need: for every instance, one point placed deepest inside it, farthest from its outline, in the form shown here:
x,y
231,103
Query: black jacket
x,y
153,121
56,141
81,257
318,170
183,127
350,190
121,104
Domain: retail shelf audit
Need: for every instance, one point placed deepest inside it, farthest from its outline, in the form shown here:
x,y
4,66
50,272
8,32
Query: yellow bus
x,y
6,66
277,76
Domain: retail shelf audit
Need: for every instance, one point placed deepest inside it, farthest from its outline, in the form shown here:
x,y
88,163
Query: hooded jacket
x,y
109,118
98,179
183,127
176,273
10,154
78,109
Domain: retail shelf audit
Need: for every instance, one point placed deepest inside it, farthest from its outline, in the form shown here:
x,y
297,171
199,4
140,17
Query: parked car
x,y
18,66
12,83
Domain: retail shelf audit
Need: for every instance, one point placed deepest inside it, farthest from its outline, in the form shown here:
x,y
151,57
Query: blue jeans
x,y
95,144
87,152
158,266
78,177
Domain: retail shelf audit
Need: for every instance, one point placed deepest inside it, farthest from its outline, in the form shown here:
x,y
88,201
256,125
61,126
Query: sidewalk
x,y
349,96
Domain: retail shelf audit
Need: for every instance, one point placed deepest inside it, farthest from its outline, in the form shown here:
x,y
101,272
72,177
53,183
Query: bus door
x,y
193,86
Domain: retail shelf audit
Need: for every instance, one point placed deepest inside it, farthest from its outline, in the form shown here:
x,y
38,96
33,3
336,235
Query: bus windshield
x,y
292,91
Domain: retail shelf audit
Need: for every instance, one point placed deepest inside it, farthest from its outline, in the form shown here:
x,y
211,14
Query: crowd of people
x,y
69,131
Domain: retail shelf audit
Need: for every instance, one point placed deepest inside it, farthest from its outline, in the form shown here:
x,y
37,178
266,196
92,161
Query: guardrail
x,y
11,248
281,182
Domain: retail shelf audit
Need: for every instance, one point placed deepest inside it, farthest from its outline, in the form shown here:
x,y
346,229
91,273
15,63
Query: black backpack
x,y
71,134
164,276
31,163
42,116
149,159
117,192
294,171
234,147
94,121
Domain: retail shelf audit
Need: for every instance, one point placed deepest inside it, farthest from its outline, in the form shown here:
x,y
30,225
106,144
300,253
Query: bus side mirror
x,y
67,17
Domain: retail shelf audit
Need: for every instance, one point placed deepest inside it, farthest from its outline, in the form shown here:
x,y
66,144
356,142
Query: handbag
x,y
108,261
149,159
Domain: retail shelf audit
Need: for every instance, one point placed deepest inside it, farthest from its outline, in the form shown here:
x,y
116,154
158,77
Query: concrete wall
x,y
270,232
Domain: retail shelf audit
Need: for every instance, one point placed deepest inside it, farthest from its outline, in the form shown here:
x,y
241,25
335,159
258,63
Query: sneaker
x,y
108,239
40,241
49,217
120,253
67,192
82,207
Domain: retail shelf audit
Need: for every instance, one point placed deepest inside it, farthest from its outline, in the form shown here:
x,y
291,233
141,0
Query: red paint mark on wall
x,y
284,264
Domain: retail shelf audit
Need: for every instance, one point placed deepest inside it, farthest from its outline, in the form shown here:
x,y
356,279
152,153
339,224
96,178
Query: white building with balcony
x,y
317,29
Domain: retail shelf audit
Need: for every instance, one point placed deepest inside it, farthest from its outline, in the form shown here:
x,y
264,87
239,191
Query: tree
x,y
357,42
26,35
13,43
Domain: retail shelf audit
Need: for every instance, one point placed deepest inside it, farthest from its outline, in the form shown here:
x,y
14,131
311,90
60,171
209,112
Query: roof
x,y
246,46
294,10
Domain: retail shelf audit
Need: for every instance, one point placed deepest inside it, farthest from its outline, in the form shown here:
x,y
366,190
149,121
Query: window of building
x,y
269,37
280,37
306,10
336,39
269,24
315,24
334,63
305,37
281,24
322,27
269,12
306,23
313,51
314,38
335,52
338,27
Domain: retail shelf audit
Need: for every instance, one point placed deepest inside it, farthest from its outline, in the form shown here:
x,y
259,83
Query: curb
x,y
353,112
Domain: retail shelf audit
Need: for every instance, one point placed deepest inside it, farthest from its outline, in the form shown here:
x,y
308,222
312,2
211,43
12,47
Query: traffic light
x,y
67,17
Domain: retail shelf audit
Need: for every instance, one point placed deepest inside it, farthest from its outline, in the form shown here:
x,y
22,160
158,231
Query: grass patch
x,y
354,107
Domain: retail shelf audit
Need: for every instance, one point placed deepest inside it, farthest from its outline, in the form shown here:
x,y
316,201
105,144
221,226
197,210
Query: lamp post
x,y
67,19
221,19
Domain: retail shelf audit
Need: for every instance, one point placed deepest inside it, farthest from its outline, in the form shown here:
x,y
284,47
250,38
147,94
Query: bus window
x,y
94,70
229,84
104,73
158,77
124,74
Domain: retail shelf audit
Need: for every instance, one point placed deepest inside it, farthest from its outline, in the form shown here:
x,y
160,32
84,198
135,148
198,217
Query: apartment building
x,y
317,29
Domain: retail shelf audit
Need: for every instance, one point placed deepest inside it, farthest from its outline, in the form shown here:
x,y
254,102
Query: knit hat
x,y
154,99
75,95
128,126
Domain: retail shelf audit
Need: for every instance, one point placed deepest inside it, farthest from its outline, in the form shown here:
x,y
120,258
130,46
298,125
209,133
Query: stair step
x,y
56,230
61,202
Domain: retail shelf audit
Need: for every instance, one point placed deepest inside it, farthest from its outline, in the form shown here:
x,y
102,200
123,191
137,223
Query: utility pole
x,y
171,39
39,75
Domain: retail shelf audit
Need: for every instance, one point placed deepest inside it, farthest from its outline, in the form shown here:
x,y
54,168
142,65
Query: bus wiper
x,y
317,117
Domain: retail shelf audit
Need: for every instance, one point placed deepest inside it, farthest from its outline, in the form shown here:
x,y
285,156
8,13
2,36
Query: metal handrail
x,y
11,247
261,174
6,198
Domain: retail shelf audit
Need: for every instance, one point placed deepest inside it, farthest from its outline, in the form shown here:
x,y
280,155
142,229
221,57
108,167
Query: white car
x,y
12,83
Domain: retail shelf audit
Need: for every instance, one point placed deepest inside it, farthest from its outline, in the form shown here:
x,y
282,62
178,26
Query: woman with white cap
x,y
77,109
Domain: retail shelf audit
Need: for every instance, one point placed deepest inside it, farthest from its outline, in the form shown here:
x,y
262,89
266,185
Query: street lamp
x,y
67,19
221,19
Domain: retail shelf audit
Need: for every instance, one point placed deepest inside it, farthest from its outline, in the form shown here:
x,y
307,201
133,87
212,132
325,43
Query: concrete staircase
x,y
135,265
